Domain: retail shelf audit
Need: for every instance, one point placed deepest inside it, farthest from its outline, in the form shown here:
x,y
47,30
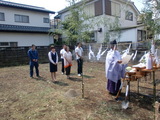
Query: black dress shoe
x,y
114,94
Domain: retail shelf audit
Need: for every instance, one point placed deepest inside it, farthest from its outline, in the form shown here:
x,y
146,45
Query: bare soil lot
x,y
23,98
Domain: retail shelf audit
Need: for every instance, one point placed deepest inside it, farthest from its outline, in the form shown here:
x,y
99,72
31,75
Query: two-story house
x,y
109,13
24,25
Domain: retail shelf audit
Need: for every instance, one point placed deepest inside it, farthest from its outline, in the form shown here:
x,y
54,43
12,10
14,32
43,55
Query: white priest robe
x,y
114,70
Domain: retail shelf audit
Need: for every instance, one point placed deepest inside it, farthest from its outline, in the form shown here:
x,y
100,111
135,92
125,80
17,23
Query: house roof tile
x,y
28,7
17,28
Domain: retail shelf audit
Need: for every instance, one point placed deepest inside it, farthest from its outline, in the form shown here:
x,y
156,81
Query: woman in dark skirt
x,y
53,58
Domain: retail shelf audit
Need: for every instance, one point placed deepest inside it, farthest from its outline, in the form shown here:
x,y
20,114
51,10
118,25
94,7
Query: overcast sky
x,y
57,5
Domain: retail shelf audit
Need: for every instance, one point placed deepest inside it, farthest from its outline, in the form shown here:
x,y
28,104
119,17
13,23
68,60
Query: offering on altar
x,y
156,59
149,61
140,65
145,61
130,69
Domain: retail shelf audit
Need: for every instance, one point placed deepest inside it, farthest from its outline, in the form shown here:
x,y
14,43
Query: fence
x,y
12,56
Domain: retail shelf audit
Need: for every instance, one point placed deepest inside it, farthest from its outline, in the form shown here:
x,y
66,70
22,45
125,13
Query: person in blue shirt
x,y
33,55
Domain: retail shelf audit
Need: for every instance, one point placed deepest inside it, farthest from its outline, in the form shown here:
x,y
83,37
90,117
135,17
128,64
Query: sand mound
x,y
71,93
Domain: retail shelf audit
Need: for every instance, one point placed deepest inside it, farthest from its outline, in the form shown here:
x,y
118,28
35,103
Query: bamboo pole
x,y
82,87
82,82
154,91
138,86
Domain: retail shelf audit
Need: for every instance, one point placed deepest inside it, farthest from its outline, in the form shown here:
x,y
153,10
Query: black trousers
x,y
80,64
62,65
68,70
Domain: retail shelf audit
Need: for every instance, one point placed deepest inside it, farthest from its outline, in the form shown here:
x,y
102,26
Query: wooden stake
x,y
82,87
154,91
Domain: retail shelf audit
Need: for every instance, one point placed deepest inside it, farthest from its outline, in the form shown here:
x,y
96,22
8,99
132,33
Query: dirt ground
x,y
23,98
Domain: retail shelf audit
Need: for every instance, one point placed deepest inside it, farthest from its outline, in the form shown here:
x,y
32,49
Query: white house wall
x,y
65,15
129,35
27,39
35,18
157,37
123,21
104,21
125,7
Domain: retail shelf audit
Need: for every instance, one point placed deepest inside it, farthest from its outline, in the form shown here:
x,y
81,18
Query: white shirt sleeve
x,y
64,55
76,50
50,58
82,50
61,52
57,57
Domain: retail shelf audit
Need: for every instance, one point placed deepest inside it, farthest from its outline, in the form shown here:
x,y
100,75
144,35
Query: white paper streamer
x,y
143,57
152,47
129,48
125,52
90,53
99,53
134,55
103,52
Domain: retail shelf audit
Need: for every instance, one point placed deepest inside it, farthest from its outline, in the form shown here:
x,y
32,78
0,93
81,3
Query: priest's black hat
x,y
113,42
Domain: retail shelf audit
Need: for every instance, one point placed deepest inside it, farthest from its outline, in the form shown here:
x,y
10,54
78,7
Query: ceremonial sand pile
x,y
71,93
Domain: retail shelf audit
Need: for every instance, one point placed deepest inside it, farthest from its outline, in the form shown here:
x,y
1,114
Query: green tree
x,y
151,18
74,27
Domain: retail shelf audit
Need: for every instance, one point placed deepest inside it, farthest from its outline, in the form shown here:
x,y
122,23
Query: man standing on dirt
x,y
79,52
114,69
33,55
62,58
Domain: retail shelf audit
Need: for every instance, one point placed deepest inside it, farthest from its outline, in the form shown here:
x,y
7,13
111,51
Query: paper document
x,y
126,59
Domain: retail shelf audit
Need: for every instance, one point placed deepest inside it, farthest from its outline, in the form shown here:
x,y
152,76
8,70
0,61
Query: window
x,y
115,9
4,44
93,36
13,44
21,18
8,44
141,35
46,20
98,7
129,16
89,10
2,16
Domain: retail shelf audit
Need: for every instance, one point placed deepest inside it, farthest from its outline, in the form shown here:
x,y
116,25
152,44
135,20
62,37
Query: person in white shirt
x,y
62,58
53,58
79,53
67,61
